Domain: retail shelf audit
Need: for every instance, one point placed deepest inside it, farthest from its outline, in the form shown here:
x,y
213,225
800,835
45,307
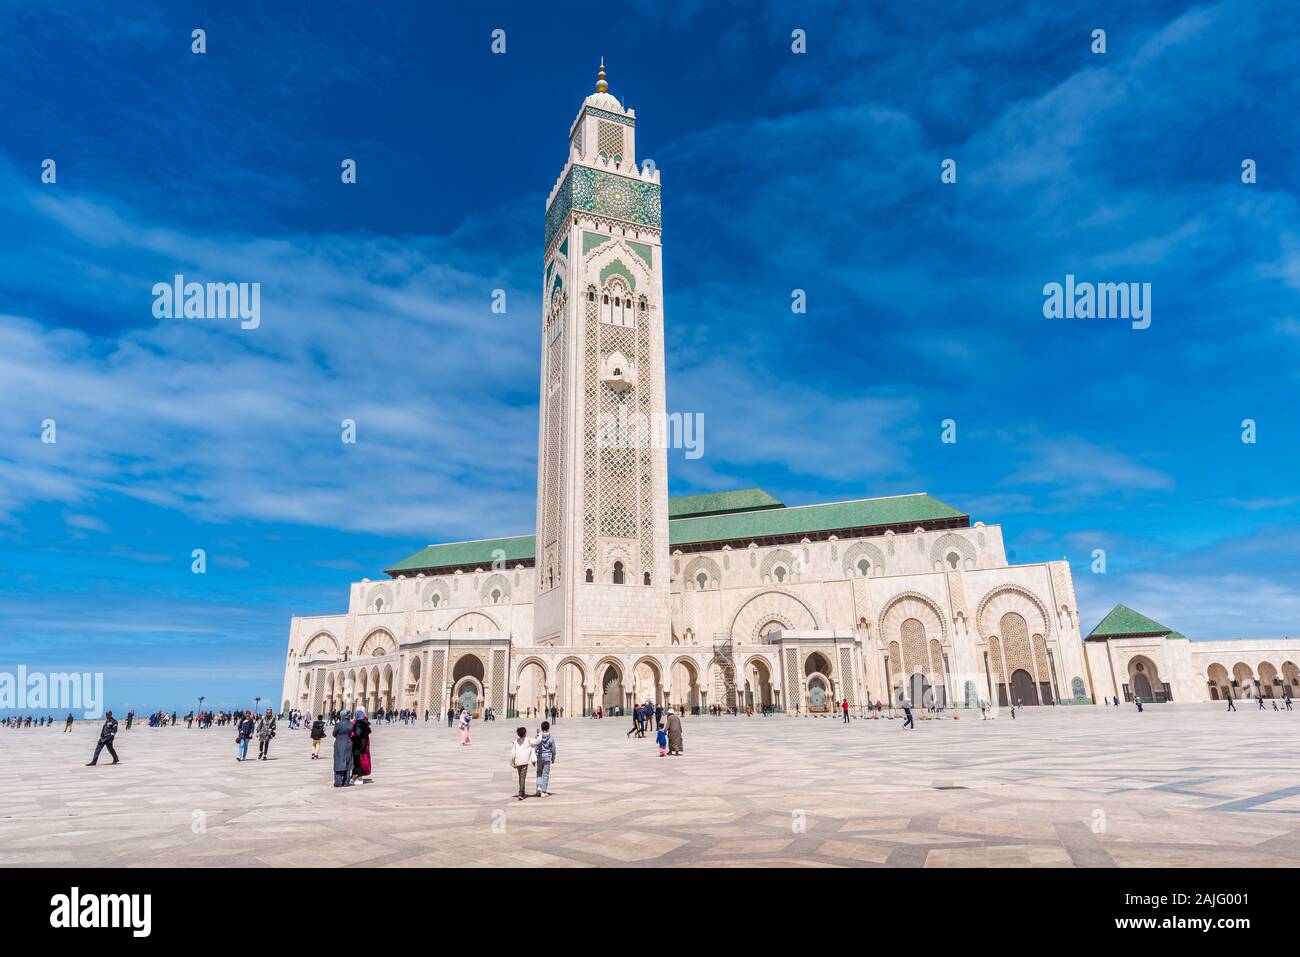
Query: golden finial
x,y
601,85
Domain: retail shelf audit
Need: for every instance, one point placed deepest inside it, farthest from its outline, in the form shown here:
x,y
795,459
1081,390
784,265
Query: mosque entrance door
x,y
467,697
1142,687
816,694
1022,688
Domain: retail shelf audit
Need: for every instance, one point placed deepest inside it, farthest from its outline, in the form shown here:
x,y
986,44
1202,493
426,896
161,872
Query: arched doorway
x,y
467,684
571,687
646,685
819,694
1145,681
1243,678
758,685
686,685
530,689
1270,685
611,688
1023,690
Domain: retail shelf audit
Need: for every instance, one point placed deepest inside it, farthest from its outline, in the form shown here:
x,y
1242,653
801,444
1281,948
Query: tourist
x,y
845,708
1137,699
1286,698
544,749
674,728
317,735
243,734
1231,706
907,715
450,716
464,727
67,725
1261,702
1117,701
521,755
636,721
343,752
661,739
106,735
265,732
361,746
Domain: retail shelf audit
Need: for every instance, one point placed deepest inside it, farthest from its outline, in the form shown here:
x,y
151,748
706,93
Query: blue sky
x,y
780,171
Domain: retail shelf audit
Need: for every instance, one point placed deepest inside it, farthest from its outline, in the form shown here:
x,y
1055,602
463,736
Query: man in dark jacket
x,y
106,735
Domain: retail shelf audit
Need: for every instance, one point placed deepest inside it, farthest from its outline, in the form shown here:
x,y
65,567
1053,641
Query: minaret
x,y
602,485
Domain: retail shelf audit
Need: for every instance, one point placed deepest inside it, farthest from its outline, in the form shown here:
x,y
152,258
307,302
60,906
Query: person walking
x,y
674,728
67,725
317,736
361,766
1137,699
845,708
1260,699
661,739
106,735
907,715
343,752
464,727
1231,706
451,714
265,732
1285,698
521,756
244,731
543,746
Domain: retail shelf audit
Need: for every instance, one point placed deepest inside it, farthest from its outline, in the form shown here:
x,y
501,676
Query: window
x,y
496,595
646,576
379,604
779,573
703,580
590,577
953,559
591,295
864,567
618,573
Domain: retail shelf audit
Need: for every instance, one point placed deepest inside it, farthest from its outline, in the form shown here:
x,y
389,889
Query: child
x,y
661,738
521,755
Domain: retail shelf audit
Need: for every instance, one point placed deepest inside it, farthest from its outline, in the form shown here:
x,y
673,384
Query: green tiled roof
x,y
720,503
863,513
1123,620
716,517
482,552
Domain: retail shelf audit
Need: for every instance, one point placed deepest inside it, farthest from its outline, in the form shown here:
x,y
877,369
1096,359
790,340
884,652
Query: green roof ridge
x,y
763,518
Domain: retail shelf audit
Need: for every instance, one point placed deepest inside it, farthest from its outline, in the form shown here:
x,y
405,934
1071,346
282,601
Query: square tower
x,y
602,484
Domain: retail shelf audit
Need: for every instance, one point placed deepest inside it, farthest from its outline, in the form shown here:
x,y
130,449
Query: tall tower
x,y
602,483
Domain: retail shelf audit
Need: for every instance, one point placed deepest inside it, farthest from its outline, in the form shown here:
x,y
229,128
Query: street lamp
x,y
257,704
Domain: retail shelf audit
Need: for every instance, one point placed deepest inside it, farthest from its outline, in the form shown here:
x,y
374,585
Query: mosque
x,y
736,599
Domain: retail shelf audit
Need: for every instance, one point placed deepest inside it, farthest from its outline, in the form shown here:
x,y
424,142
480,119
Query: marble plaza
x,y
1179,785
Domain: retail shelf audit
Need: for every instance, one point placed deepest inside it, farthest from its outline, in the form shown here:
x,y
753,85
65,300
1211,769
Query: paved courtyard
x,y
1179,785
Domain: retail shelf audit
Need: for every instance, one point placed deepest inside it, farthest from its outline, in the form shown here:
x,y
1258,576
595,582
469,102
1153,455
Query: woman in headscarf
x,y
361,746
464,726
674,732
343,752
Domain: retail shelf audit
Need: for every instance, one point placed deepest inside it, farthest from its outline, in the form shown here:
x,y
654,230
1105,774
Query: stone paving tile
x,y
1178,786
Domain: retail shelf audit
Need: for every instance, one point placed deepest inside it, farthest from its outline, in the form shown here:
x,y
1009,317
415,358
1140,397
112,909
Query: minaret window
x,y
647,578
618,573
590,576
